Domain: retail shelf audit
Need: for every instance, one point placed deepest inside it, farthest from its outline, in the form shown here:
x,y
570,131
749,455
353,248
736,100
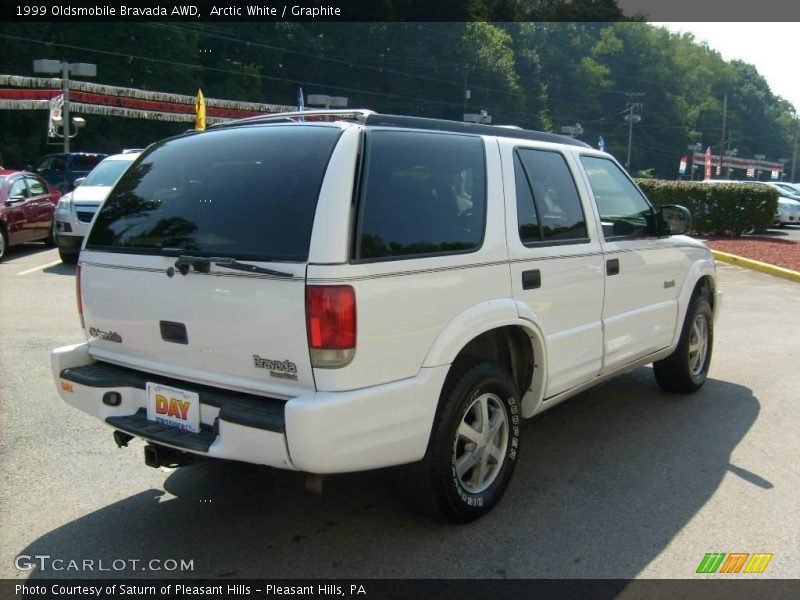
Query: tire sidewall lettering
x,y
511,406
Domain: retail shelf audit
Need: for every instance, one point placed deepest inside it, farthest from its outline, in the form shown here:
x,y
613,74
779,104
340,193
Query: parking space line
x,y
40,267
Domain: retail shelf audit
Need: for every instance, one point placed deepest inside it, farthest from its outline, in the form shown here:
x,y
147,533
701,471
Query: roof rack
x,y
358,115
371,118
473,128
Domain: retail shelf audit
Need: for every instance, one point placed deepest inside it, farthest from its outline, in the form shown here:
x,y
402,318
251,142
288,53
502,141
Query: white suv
x,y
76,209
360,290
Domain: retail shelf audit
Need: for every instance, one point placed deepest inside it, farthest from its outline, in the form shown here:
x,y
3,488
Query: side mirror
x,y
78,181
674,219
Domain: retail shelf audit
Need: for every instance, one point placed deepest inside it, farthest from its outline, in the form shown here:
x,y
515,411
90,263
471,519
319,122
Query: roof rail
x,y
359,115
368,117
380,120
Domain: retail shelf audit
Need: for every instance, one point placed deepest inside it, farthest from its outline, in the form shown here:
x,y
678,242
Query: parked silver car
x,y
76,209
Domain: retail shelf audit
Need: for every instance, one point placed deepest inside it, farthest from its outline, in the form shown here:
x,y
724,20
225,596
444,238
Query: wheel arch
x,y
496,331
701,279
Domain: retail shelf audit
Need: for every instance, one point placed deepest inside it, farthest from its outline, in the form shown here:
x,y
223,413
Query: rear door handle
x,y
531,280
612,266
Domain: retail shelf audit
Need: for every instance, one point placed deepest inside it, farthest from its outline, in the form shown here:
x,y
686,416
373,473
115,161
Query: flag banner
x,y
776,174
111,96
682,165
56,106
200,111
601,144
708,163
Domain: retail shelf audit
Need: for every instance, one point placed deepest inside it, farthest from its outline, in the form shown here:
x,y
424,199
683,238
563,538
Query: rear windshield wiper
x,y
202,264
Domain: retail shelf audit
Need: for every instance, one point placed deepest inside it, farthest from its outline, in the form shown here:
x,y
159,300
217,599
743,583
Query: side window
x,y
421,194
548,205
624,211
527,219
36,187
59,163
45,164
18,188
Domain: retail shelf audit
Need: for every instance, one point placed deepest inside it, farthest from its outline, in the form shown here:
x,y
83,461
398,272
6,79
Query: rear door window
x,y
548,205
422,194
246,192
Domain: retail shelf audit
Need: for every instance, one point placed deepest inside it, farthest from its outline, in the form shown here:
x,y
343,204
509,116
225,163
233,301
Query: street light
x,y
65,68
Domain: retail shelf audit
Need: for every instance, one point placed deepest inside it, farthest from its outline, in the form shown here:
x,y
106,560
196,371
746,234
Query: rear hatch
x,y
195,266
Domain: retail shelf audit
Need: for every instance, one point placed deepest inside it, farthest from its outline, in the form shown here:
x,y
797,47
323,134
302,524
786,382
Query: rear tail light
x,y
331,325
78,293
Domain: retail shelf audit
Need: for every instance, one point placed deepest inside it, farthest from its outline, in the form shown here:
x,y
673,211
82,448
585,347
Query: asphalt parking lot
x,y
624,481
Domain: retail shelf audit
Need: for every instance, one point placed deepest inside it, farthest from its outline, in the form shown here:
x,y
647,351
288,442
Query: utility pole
x,y
722,143
632,118
65,107
794,152
65,68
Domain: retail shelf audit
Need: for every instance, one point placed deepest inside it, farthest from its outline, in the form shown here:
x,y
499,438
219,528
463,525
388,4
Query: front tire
x,y
67,256
686,369
474,445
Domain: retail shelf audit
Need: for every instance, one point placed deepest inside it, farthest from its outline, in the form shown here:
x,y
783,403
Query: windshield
x,y
245,192
107,173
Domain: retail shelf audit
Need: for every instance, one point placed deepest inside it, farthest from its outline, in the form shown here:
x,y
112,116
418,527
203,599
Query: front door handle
x,y
612,266
531,280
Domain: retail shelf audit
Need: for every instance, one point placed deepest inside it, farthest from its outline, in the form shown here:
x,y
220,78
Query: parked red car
x,y
27,204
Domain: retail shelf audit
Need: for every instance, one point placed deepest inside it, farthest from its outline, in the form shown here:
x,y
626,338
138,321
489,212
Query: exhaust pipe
x,y
161,456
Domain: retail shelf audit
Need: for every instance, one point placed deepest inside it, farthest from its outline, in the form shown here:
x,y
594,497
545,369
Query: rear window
x,y
423,194
247,192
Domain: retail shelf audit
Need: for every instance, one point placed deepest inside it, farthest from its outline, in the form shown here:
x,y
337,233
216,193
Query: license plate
x,y
174,407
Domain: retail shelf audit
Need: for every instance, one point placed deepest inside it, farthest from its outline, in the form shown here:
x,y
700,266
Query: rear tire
x,y
50,240
67,256
686,369
474,445
3,243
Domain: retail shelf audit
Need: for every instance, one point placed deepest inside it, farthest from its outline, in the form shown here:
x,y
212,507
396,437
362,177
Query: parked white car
x,y
788,212
792,188
363,290
76,209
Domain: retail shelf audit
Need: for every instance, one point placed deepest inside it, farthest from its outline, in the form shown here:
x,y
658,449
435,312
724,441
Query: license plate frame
x,y
173,407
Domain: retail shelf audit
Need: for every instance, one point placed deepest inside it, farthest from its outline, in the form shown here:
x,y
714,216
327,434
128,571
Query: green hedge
x,y
718,208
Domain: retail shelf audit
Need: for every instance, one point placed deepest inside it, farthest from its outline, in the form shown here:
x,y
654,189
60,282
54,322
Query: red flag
x,y
708,162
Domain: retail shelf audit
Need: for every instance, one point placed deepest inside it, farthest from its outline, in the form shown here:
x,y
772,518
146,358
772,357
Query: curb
x,y
757,266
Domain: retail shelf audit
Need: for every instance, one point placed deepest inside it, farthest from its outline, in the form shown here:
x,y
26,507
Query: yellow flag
x,y
200,111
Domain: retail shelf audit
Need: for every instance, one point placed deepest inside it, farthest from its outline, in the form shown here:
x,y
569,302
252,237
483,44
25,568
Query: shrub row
x,y
719,208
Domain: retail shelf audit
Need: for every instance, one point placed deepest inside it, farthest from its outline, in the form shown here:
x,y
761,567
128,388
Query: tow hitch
x,y
161,456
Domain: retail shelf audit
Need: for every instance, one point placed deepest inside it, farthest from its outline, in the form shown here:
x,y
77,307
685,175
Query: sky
x,y
770,47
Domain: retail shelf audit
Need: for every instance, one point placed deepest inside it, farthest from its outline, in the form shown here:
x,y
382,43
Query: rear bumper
x,y
319,432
